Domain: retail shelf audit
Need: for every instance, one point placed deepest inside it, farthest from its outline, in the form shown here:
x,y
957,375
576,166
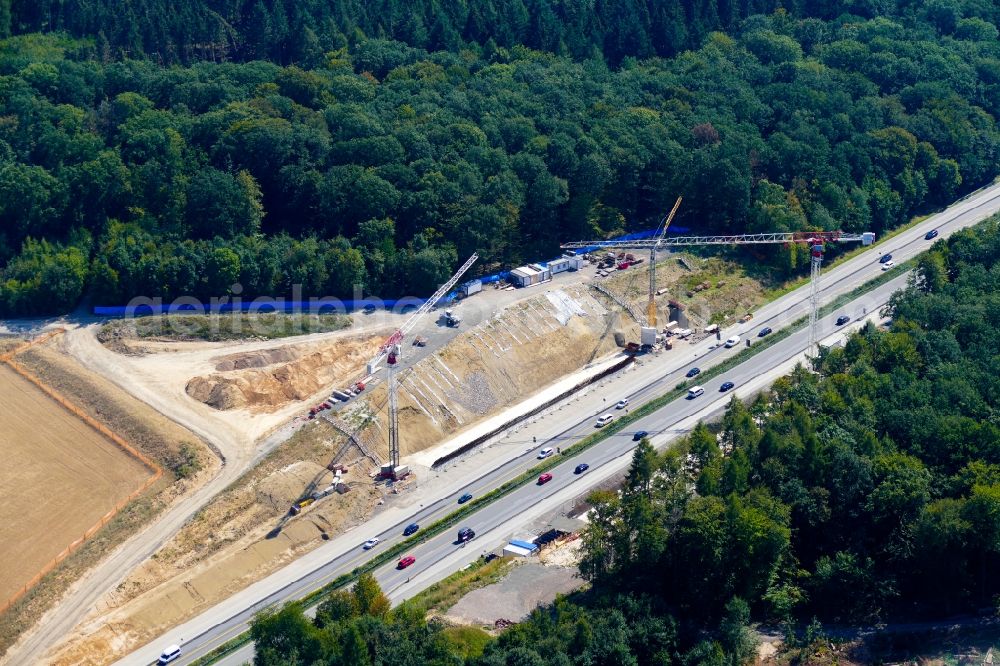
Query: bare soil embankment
x,y
712,290
494,365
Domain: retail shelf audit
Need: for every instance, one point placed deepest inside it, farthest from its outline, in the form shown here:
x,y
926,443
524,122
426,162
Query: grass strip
x,y
587,442
227,648
215,327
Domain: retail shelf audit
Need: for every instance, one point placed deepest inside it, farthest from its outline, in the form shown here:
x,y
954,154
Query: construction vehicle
x,y
451,319
301,504
390,352
815,239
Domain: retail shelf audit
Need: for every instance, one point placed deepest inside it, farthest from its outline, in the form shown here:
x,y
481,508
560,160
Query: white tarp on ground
x,y
566,306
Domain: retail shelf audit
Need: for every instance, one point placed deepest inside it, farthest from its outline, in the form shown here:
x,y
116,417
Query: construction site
x,y
322,431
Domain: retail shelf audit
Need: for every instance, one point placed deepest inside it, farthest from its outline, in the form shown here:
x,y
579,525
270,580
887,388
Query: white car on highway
x,y
887,265
622,404
733,341
170,654
604,420
371,543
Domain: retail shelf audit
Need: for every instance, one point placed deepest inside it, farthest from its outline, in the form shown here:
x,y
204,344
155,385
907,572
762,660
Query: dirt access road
x,y
59,477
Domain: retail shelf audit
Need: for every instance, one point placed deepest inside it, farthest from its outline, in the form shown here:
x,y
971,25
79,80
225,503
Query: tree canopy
x,y
380,163
301,31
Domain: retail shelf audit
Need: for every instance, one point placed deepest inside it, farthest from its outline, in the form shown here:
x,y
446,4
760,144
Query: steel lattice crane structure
x,y
390,353
815,239
661,233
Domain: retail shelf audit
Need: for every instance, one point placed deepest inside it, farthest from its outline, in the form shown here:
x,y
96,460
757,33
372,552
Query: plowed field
x,y
58,477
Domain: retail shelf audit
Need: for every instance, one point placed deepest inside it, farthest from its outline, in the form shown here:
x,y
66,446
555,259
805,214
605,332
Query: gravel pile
x,y
476,394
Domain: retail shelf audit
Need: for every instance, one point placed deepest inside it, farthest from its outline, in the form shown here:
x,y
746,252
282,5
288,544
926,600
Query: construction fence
x,y
156,472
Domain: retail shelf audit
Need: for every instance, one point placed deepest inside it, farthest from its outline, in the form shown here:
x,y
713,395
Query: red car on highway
x,y
406,561
544,478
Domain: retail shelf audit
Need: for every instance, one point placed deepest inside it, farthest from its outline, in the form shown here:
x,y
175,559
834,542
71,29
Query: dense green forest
x,y
867,491
382,164
302,31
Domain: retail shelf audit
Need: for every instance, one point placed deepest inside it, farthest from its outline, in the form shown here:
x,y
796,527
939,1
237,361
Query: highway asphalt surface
x,y
840,280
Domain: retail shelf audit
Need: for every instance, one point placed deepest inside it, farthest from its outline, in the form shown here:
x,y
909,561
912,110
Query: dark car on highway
x,y
465,498
885,258
693,371
466,534
581,468
931,234
410,529
842,319
764,331
726,386
639,434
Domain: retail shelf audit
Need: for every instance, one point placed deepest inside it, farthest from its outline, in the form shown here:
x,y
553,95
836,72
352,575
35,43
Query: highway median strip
x,y
616,426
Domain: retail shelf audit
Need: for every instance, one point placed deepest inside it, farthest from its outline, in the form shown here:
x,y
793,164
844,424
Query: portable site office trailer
x,y
525,276
559,265
471,287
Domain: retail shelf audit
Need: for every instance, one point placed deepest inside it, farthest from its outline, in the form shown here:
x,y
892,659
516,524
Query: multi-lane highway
x,y
219,624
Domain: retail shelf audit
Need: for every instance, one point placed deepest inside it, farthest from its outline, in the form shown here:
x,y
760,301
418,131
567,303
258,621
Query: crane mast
x,y
651,303
815,239
390,353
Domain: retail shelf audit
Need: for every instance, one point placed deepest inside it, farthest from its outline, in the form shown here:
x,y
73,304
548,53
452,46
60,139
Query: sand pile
x,y
267,380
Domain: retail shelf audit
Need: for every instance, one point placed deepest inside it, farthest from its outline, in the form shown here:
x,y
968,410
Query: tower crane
x,y
816,241
651,304
390,353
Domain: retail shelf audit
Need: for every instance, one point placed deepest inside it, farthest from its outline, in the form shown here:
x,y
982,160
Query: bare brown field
x,y
152,433
58,479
